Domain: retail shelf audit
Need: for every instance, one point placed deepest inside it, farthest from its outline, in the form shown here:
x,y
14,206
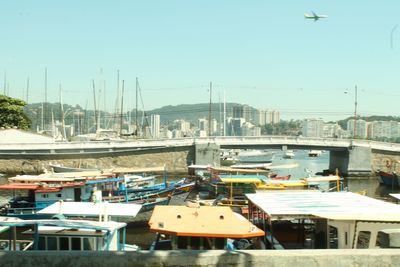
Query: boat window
x,y
64,243
220,243
75,243
363,239
42,243
52,243
59,195
333,237
88,243
45,195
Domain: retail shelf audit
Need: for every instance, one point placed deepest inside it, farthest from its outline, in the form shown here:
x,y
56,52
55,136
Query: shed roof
x,y
92,209
330,205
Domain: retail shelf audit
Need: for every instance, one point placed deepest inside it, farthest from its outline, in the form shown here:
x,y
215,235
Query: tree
x,y
12,113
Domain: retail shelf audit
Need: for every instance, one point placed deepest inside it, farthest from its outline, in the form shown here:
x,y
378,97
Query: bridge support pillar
x,y
207,154
353,162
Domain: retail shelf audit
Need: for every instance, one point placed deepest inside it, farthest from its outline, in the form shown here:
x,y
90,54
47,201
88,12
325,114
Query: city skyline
x,y
262,54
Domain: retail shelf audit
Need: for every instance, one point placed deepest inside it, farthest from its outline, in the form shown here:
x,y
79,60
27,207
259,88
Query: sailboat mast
x,y
122,108
95,109
136,109
62,115
224,115
209,112
45,100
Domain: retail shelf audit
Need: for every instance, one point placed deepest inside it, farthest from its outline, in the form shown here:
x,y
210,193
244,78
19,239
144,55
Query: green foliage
x,y
12,113
290,128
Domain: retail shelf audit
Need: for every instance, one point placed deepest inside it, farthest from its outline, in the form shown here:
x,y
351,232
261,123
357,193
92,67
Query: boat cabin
x,y
201,227
64,235
314,219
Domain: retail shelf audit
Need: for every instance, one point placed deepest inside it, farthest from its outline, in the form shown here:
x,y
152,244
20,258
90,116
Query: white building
x,y
155,126
313,128
360,130
384,129
331,130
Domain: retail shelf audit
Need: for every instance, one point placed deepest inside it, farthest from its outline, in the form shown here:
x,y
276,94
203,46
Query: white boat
x,y
314,153
289,154
255,156
65,235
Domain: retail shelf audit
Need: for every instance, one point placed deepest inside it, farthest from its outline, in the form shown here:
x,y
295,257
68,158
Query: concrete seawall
x,y
254,258
176,160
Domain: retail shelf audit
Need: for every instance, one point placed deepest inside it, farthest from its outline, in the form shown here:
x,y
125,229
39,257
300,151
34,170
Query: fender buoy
x,y
388,164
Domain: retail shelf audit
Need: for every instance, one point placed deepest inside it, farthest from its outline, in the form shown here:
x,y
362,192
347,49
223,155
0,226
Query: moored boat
x,y
65,235
389,179
202,227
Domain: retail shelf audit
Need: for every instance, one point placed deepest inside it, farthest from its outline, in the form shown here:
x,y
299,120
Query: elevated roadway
x,y
348,155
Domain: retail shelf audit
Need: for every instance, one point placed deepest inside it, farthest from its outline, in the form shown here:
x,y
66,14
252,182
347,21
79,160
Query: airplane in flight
x,y
314,16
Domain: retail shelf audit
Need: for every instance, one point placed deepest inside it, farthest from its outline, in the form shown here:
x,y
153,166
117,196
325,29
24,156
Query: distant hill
x,y
191,112
188,112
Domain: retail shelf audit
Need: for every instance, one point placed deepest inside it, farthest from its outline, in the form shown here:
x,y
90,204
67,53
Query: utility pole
x,y
209,112
355,113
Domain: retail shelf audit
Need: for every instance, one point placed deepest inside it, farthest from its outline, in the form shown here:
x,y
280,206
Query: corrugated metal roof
x,y
332,205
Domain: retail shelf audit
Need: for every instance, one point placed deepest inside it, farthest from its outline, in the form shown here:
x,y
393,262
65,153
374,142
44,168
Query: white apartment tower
x,y
155,125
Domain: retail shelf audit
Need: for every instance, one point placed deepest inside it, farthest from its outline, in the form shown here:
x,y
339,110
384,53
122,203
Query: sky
x,y
260,53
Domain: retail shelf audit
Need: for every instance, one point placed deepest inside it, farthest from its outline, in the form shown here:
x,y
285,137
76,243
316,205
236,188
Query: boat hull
x,y
388,179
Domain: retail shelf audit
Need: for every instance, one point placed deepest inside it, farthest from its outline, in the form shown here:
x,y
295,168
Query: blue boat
x,y
388,179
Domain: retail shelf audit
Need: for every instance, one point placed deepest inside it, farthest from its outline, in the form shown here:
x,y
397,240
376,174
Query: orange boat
x,y
201,227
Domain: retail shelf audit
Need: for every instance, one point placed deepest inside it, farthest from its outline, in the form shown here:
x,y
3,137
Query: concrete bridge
x,y
348,155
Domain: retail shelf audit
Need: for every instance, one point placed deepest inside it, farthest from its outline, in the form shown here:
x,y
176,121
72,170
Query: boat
x,y
58,168
65,235
314,153
198,227
289,154
389,179
320,220
255,156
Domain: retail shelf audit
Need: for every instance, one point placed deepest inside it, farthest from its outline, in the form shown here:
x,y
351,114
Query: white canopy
x,y
110,225
92,209
330,205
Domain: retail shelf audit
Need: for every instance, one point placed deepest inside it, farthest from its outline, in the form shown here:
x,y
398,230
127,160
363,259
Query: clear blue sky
x,y
261,53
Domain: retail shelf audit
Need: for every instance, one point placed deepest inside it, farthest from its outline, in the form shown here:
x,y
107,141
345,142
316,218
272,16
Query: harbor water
x,y
138,233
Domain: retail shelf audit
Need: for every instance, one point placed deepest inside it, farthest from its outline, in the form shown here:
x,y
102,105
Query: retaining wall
x,y
254,258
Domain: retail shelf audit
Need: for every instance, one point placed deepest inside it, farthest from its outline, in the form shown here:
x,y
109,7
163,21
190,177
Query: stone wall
x,y
385,161
175,159
254,258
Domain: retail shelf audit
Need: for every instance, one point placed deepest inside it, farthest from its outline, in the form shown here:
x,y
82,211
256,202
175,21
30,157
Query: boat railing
x,y
16,244
21,211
